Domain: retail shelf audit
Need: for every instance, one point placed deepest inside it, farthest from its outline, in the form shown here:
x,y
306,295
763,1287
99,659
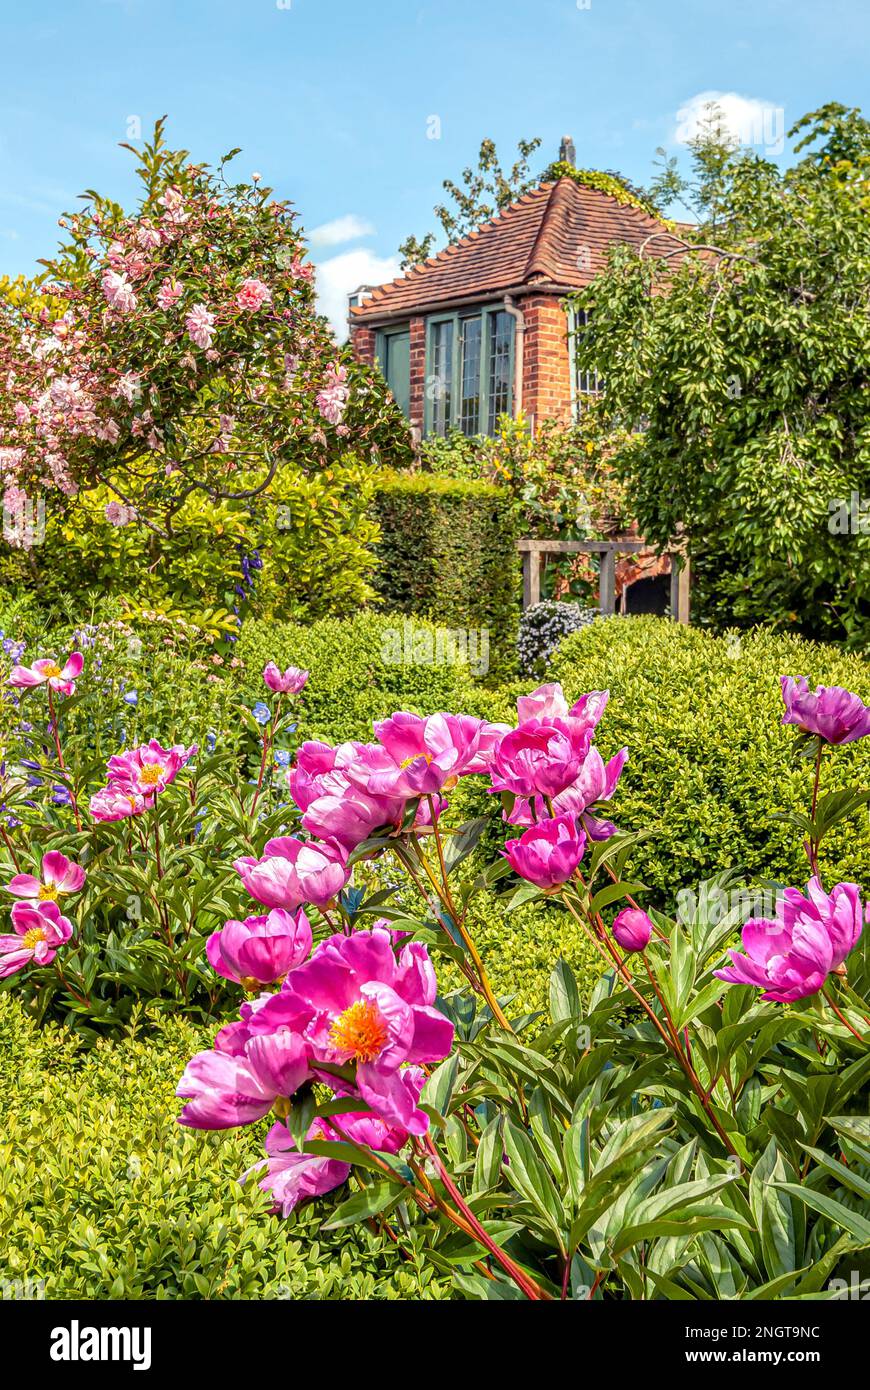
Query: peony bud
x,y
632,929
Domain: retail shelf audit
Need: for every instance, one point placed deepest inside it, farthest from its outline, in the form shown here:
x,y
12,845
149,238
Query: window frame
x,y
486,312
578,396
382,336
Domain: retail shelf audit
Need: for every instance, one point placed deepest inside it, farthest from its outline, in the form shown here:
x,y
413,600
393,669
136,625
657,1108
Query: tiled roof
x,y
559,233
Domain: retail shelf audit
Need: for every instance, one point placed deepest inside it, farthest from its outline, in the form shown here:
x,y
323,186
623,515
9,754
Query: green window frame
x,y
382,354
469,370
585,386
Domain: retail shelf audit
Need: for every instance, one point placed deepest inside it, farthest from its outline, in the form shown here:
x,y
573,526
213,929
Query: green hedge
x,y
360,671
709,761
448,552
103,1195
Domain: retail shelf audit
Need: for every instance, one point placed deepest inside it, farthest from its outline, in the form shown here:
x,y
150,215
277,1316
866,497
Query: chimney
x,y
567,152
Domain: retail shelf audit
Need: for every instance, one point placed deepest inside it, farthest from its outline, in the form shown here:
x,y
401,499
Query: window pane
x,y
439,383
469,415
587,383
501,327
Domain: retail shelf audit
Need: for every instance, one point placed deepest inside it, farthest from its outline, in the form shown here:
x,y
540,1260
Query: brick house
x,y
481,328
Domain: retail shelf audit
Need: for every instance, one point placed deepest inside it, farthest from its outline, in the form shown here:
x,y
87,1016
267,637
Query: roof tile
x,y
559,233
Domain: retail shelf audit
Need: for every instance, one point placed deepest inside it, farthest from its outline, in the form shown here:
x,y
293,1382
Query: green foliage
x,y
102,1195
709,765
313,533
359,671
448,552
484,192
747,362
560,479
604,181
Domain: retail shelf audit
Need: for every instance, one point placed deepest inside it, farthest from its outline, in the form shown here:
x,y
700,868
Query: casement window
x,y
393,355
584,385
469,370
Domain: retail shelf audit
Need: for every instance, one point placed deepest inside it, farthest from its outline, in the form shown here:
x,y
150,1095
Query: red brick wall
x,y
546,365
363,340
418,372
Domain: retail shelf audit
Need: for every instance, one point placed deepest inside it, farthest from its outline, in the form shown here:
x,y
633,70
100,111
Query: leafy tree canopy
x,y
483,192
745,356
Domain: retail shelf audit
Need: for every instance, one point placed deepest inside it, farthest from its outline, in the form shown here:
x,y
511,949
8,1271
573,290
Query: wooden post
x,y
607,583
531,574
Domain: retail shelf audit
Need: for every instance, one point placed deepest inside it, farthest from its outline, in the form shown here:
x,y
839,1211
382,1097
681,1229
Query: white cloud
x,y
341,275
746,120
342,229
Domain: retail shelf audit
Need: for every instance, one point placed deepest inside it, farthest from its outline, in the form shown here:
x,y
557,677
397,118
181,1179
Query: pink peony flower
x,y
433,752
115,803
39,930
830,712
596,781
632,929
200,326
548,702
540,758
292,1176
288,682
59,876
148,769
59,678
547,854
791,957
225,1089
260,950
376,1011
334,810
292,872
252,295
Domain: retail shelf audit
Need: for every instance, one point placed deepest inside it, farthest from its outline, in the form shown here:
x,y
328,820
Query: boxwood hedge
x,y
103,1195
710,764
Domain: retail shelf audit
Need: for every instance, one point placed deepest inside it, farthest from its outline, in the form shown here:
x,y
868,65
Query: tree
x,y
745,353
483,193
177,350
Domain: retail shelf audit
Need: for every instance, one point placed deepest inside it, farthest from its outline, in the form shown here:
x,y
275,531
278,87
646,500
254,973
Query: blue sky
x,y
333,100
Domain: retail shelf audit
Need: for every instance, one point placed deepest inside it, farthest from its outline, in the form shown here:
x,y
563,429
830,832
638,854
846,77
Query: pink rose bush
x,y
189,305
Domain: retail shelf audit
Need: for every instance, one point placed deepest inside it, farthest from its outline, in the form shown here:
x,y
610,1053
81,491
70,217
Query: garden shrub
x,y
311,541
359,670
542,628
448,552
709,765
102,1195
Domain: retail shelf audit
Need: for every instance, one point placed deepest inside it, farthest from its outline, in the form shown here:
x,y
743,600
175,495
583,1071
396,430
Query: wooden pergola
x,y
535,551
